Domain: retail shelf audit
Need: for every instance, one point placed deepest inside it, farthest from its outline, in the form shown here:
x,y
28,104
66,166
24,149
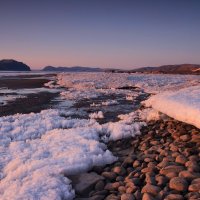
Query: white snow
x,y
183,104
129,98
96,115
105,103
37,150
109,103
152,83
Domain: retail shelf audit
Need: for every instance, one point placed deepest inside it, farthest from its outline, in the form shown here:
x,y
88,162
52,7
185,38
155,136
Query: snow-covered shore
x,y
182,105
38,151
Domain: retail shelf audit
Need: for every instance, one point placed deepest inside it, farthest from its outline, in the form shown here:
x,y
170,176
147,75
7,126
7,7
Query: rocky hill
x,y
13,65
171,69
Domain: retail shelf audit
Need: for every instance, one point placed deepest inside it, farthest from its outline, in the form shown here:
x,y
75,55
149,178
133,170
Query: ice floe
x,y
183,104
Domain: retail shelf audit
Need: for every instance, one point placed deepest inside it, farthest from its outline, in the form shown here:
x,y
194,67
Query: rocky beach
x,y
162,163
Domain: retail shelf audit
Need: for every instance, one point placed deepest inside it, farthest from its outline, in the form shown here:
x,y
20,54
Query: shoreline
x,y
33,102
161,163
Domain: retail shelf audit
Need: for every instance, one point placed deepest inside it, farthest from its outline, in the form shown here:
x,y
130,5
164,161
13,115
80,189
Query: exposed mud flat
x,y
34,102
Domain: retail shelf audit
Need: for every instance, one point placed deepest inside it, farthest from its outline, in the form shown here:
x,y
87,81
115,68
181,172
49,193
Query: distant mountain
x,y
171,69
13,65
72,69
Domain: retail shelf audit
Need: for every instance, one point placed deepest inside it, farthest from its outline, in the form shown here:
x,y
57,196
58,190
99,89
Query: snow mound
x,y
183,105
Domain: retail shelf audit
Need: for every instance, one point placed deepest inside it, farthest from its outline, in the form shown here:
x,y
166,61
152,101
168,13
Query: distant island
x,y
13,65
73,69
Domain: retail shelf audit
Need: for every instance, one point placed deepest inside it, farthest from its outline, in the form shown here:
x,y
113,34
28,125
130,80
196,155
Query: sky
x,y
100,33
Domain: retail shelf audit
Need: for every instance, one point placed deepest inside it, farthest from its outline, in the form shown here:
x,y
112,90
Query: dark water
x,y
83,107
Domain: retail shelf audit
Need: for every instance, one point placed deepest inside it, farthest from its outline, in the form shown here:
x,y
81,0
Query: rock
x,y
127,197
173,147
152,164
171,175
109,175
161,180
136,163
147,196
192,166
137,195
194,188
112,197
120,178
131,190
171,168
150,179
97,197
136,181
196,181
83,183
190,163
130,184
175,154
193,158
102,192
193,195
189,176
195,138
148,169
112,186
178,184
128,160
147,160
119,170
148,188
174,197
181,159
129,170
99,185
185,138
121,189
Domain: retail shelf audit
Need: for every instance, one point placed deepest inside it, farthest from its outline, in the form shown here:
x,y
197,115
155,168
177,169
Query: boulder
x,y
83,183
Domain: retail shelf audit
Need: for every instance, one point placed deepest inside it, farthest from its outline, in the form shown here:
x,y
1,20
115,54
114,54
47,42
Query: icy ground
x,y
39,151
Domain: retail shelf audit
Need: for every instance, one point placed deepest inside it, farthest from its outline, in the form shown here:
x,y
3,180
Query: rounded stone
x,y
151,189
119,170
194,188
109,175
161,180
127,197
178,184
99,186
181,159
121,189
136,163
174,197
147,196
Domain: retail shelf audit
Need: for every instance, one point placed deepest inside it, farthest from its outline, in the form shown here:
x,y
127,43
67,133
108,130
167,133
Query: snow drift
x,y
183,105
